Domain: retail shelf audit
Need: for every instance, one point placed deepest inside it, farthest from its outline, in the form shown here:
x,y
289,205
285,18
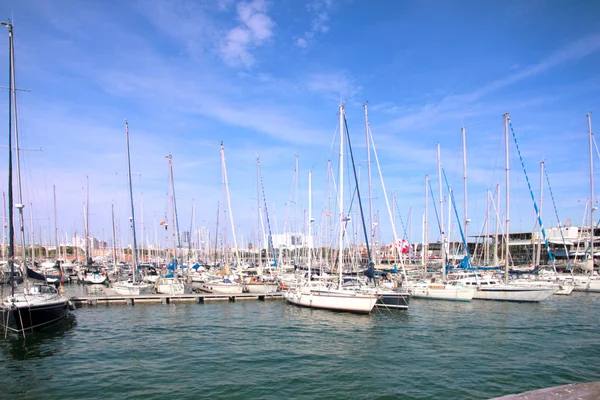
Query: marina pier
x,y
199,298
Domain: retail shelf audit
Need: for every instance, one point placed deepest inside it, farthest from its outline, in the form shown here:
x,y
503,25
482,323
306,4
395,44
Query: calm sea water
x,y
272,350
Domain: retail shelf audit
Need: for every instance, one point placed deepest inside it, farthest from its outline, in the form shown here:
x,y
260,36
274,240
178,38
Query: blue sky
x,y
266,78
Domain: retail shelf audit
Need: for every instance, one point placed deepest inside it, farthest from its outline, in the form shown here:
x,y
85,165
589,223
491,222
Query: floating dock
x,y
199,298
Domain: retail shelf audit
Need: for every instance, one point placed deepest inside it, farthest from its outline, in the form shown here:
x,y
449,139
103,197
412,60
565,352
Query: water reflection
x,y
38,344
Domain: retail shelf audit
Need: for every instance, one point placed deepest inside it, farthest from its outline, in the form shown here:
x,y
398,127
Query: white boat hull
x,y
336,300
443,292
169,286
590,285
220,287
130,288
262,288
513,293
94,278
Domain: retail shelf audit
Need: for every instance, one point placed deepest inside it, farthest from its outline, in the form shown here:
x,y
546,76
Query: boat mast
x,y
497,207
443,240
11,231
114,238
56,225
591,138
371,230
176,239
341,198
310,221
425,247
539,245
506,250
87,222
387,202
134,255
32,233
224,168
13,92
464,143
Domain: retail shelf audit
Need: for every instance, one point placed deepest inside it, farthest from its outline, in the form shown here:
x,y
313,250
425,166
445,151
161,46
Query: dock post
x,y
130,302
199,300
261,298
232,299
165,300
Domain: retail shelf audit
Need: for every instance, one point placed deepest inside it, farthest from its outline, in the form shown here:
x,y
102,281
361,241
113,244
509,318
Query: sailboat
x,y
337,299
92,274
35,304
171,283
132,286
494,289
227,285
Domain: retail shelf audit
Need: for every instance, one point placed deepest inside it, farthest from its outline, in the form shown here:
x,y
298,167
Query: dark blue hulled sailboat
x,y
34,304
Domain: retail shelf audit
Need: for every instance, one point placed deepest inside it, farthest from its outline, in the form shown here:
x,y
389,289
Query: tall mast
x,y
176,238
539,244
443,240
142,225
487,229
134,254
425,247
387,202
56,224
11,232
13,98
341,198
114,237
20,205
506,250
590,134
310,220
87,221
367,129
224,168
464,143
4,226
496,244
31,234
259,222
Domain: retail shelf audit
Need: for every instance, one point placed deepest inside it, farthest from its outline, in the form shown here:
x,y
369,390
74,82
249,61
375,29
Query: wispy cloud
x,y
320,11
333,85
254,29
459,104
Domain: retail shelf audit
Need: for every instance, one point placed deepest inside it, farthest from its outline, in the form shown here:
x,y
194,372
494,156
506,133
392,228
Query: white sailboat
x,y
134,286
35,304
493,289
171,283
227,284
442,289
324,297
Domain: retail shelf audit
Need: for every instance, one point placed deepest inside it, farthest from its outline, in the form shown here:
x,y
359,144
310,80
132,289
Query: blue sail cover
x,y
31,274
370,272
172,265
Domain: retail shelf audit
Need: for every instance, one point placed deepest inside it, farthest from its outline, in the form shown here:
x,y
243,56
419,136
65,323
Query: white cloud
x,y
254,29
320,10
333,84
301,43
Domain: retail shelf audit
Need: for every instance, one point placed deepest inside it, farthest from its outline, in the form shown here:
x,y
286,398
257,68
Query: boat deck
x,y
110,298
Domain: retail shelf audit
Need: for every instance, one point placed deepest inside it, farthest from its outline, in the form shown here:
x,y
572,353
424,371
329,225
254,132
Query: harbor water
x,y
272,350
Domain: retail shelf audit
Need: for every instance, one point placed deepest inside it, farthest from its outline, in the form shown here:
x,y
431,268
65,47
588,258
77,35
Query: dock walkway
x,y
108,298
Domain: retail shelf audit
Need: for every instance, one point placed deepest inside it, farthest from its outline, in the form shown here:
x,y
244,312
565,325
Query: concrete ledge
x,y
574,391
